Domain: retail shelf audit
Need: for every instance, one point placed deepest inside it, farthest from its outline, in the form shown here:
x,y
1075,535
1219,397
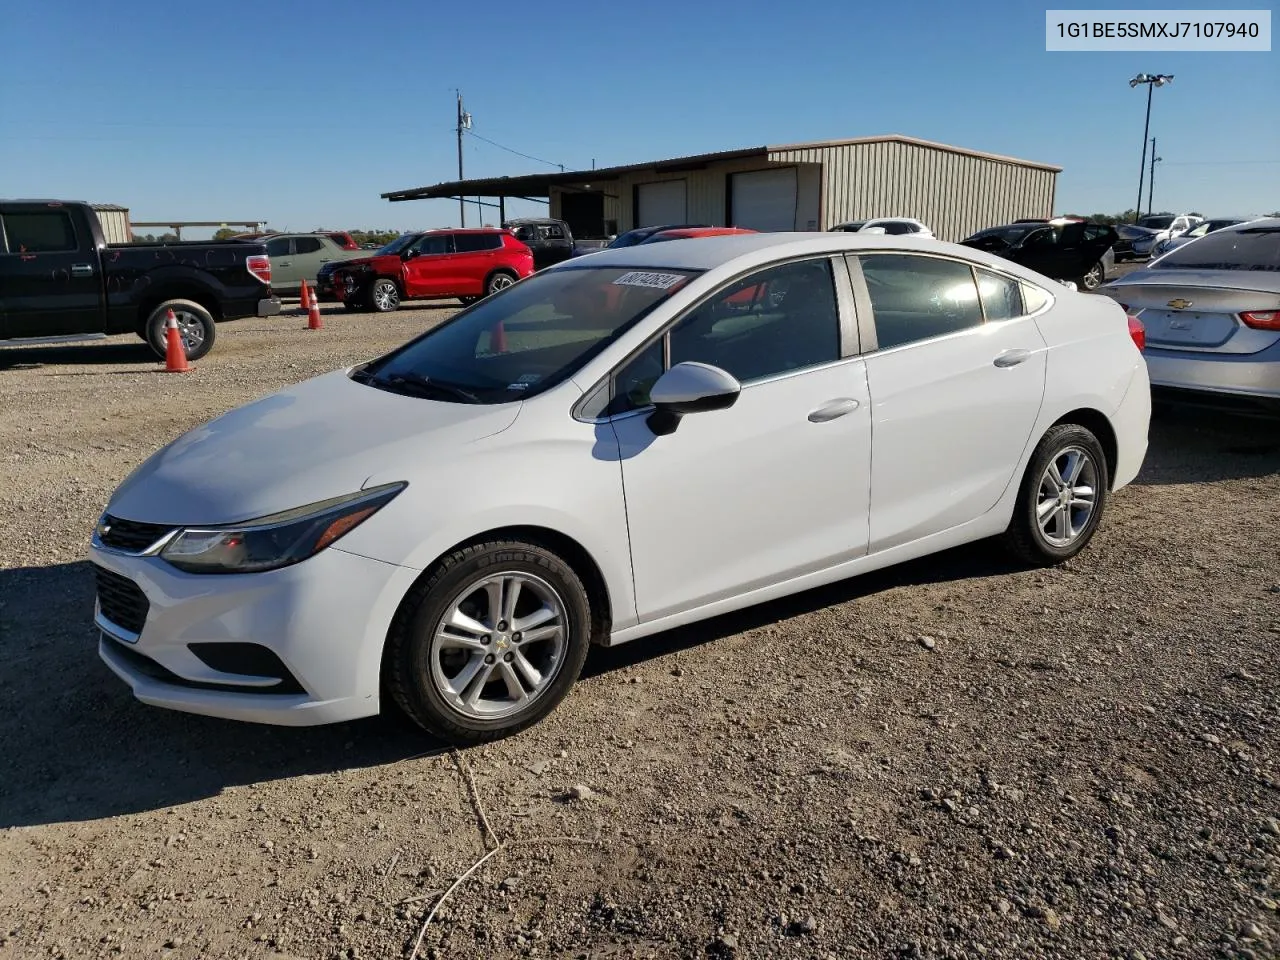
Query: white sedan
x,y
607,449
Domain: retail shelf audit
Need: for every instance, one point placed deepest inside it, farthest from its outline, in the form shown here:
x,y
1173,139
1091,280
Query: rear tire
x,y
1063,494
498,281
383,296
195,323
1095,278
456,682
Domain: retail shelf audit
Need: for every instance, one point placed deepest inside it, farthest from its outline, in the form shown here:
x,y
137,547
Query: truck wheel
x,y
384,296
194,323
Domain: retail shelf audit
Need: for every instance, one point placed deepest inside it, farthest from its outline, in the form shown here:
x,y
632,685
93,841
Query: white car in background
x,y
612,447
1162,247
893,226
1163,226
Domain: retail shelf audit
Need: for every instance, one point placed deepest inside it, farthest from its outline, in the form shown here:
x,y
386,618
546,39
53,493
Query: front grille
x,y
121,600
130,535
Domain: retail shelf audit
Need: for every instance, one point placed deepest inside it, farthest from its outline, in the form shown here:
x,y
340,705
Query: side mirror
x,y
690,388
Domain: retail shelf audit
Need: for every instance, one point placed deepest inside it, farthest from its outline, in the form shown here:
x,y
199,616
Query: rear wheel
x,y
1094,278
383,296
499,281
195,324
489,642
1062,498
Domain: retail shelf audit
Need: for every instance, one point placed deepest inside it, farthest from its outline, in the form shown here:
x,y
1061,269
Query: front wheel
x,y
195,324
1094,278
489,642
384,296
1062,497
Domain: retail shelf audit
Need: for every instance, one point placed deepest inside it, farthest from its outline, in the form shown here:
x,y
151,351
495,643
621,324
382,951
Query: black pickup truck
x,y
60,281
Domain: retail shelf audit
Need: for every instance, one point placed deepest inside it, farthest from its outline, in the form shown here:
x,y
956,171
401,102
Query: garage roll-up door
x,y
660,203
763,199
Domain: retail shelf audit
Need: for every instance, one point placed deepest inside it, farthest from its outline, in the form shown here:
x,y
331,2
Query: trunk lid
x,y
1199,310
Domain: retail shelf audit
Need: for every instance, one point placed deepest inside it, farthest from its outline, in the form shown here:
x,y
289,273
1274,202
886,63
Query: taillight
x,y
1138,332
1262,319
259,266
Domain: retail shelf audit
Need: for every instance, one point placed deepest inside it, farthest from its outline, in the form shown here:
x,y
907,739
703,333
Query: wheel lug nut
x,y
489,658
487,638
502,624
517,636
508,658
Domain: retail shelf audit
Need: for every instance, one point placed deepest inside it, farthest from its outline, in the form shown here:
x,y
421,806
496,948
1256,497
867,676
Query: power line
x,y
516,152
1212,163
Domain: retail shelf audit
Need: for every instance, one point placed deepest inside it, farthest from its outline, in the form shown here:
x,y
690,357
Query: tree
x,y
224,233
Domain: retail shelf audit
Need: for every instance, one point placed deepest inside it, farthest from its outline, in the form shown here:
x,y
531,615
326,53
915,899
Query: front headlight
x,y
278,540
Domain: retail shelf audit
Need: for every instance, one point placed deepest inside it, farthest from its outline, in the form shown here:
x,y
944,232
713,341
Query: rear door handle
x,y
833,409
82,270
1011,358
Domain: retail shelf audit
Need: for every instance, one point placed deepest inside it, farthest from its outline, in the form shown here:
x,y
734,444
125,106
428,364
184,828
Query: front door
x,y
775,486
427,267
956,384
286,277
49,282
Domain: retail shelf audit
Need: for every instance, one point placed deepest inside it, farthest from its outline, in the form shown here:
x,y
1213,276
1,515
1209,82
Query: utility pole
x,y
1151,188
464,123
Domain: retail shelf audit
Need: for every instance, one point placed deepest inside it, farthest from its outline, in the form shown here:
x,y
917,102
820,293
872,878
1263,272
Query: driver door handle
x,y
1011,358
833,409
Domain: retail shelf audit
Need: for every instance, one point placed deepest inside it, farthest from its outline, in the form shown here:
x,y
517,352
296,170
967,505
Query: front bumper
x,y
331,290
269,306
325,619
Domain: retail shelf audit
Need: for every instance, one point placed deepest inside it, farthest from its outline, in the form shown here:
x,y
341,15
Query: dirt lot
x,y
955,758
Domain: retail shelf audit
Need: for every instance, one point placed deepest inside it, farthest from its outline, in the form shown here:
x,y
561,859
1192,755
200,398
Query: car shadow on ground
x,y
1188,445
119,350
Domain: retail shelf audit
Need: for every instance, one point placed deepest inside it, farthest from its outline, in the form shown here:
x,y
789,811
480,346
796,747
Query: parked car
x,y
456,522
299,256
641,234
894,226
1127,234
433,264
1212,315
1208,226
343,239
1063,249
1164,226
692,233
551,241
61,281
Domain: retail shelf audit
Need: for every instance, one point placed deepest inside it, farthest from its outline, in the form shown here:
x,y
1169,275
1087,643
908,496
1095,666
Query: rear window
x,y
306,244
473,242
1252,248
1156,223
40,232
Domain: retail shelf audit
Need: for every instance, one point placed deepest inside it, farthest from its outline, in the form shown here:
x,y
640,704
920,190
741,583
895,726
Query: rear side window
x,y
40,232
1253,248
897,228
551,231
915,298
475,242
1001,297
306,244
279,247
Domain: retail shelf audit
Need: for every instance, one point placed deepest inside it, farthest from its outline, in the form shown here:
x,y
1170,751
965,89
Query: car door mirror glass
x,y
690,387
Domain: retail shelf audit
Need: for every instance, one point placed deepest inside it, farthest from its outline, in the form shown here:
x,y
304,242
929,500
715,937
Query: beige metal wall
x,y
954,193
115,225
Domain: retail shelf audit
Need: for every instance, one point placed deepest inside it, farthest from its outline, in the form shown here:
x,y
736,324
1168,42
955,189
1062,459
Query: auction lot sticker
x,y
1174,30
658,281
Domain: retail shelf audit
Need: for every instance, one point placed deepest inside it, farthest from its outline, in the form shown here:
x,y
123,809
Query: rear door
x,y
309,253
49,282
428,270
474,257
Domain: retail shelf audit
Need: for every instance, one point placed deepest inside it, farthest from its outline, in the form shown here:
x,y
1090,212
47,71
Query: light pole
x,y
1151,187
1152,80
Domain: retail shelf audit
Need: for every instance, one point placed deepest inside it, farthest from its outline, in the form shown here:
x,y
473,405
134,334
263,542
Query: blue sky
x,y
302,112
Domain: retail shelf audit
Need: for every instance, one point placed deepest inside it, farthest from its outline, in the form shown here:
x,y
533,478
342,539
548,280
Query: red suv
x,y
432,265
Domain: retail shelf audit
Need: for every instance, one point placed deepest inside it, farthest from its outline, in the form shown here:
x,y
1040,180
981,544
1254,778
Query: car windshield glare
x,y
398,244
528,338
1251,248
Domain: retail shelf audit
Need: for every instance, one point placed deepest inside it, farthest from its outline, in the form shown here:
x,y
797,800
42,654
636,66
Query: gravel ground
x,y
953,758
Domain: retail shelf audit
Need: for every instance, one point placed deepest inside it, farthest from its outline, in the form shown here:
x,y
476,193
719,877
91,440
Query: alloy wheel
x,y
1067,496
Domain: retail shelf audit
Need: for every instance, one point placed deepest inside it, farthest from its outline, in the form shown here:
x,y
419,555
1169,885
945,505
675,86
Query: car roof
x,y
752,249
464,230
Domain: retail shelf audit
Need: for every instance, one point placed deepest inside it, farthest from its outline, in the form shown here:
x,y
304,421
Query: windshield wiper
x,y
426,385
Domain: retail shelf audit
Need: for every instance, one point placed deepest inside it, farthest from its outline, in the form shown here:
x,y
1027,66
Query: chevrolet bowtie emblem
x,y
1179,304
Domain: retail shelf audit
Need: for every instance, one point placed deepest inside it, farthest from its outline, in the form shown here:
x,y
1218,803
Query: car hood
x,y
323,438
384,263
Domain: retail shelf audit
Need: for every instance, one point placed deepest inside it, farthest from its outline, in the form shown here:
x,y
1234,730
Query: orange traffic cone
x,y
306,297
175,352
313,315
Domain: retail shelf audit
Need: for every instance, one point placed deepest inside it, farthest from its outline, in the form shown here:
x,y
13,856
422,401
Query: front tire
x,y
195,323
1094,278
489,642
1063,494
384,296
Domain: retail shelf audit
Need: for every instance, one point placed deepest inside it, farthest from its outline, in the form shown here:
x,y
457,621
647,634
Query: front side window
x,y
528,338
40,232
916,298
433,244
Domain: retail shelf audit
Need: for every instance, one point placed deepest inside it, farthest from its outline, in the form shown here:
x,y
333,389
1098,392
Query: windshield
x,y
853,227
1156,223
631,237
998,238
526,339
398,244
1251,248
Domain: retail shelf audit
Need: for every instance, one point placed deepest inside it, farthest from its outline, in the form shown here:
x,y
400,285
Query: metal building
x,y
799,186
115,222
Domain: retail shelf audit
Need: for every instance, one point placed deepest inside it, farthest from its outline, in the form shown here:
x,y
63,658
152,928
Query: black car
x,y
639,235
551,241
1073,250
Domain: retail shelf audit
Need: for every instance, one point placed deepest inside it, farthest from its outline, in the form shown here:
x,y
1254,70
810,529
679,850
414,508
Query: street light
x,y
1152,80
